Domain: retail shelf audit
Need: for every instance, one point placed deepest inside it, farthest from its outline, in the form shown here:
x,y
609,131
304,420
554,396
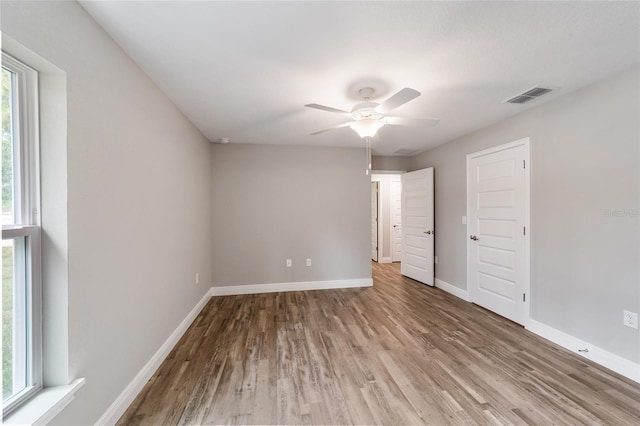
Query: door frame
x,y
392,230
525,142
381,222
377,185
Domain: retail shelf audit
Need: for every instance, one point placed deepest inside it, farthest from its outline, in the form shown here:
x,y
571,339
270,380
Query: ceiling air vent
x,y
406,151
529,95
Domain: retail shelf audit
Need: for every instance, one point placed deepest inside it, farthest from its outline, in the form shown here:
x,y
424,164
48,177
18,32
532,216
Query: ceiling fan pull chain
x,y
369,155
366,160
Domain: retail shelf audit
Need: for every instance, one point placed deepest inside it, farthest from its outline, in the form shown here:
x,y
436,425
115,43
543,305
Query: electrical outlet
x,y
308,262
197,278
464,220
289,263
630,319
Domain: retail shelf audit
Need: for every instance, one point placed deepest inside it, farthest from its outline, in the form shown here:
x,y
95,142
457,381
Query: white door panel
x,y
498,287
415,203
496,170
497,228
417,225
496,199
501,258
413,221
497,208
416,242
415,262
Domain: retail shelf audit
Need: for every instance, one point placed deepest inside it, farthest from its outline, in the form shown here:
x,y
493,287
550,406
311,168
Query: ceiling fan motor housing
x,y
366,93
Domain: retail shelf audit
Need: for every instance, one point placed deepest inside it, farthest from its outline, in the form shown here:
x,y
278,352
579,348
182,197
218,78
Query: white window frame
x,y
27,225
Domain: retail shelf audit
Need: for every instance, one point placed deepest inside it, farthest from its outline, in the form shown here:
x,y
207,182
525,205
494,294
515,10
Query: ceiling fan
x,y
368,117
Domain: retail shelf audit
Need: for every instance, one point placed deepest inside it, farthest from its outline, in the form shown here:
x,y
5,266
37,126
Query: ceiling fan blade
x,y
329,109
339,126
400,98
410,121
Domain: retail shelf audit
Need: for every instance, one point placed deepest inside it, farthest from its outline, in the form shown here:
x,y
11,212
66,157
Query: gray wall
x,y
274,202
395,163
138,208
585,162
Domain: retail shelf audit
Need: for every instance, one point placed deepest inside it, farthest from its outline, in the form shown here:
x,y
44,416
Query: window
x,y
21,274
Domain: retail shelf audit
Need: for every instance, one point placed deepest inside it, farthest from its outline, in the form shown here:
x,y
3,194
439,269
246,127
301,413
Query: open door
x,y
374,221
417,226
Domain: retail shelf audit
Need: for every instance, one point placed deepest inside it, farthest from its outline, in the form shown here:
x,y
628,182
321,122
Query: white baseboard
x,y
598,355
385,260
295,286
450,288
126,397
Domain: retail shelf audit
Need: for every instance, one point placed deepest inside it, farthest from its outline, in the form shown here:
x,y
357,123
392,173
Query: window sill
x,y
45,405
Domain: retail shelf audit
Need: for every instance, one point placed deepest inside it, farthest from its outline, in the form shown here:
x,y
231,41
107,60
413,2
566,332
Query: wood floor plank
x,y
397,353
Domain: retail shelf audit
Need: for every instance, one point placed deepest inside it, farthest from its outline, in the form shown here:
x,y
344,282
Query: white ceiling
x,y
244,70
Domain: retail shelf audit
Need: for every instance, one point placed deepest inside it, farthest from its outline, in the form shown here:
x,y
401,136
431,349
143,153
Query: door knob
x,y
429,232
474,238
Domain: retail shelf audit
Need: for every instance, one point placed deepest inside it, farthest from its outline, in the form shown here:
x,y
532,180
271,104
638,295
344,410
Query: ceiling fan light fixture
x,y
368,116
367,127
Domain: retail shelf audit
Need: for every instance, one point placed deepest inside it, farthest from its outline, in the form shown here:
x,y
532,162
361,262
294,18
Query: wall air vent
x,y
529,95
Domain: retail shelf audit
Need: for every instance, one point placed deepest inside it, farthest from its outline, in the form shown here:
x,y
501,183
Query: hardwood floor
x,y
397,353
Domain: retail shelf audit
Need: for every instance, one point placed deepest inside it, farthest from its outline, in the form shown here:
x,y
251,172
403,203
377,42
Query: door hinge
x,y
524,164
524,297
524,230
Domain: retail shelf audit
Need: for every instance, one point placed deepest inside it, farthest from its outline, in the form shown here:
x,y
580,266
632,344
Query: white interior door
x,y
374,221
396,220
498,211
417,225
